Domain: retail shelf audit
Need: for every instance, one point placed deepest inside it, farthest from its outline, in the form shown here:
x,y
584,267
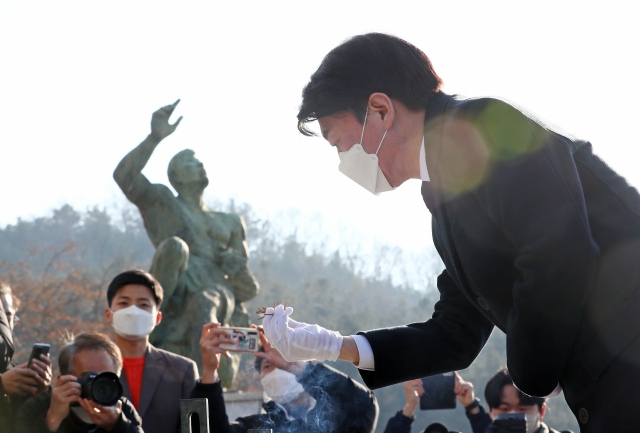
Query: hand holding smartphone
x,y
246,339
37,350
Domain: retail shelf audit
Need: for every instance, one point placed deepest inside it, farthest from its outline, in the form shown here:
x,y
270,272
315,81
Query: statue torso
x,y
205,231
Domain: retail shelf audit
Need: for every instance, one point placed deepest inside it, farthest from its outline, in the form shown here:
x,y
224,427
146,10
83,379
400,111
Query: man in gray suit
x,y
153,379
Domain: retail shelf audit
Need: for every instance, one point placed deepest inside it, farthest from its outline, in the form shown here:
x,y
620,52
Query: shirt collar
x,y
424,173
435,107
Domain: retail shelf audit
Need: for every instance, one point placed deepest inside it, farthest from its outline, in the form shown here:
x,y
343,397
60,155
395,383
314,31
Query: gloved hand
x,y
299,341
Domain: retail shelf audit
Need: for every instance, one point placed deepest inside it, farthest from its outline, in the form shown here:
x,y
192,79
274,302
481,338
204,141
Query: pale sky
x,y
79,81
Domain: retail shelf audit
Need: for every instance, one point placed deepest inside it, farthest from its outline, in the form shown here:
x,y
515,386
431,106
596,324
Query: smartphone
x,y
509,423
37,350
247,339
438,392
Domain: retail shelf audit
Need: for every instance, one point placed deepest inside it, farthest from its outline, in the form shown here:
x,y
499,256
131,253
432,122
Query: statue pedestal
x,y
239,404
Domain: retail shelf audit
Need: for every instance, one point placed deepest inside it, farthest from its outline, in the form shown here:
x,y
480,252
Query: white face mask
x,y
533,422
281,386
362,167
133,323
81,414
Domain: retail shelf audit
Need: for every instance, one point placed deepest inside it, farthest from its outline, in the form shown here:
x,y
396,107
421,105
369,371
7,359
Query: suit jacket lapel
x,y
153,368
126,391
433,192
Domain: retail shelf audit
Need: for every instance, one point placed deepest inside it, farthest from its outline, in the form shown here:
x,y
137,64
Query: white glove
x,y
299,341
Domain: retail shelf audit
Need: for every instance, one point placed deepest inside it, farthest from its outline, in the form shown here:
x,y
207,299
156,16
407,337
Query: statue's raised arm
x,y
128,175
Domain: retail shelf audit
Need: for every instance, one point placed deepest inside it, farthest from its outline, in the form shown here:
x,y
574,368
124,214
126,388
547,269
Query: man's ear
x,y
108,315
381,109
159,318
543,409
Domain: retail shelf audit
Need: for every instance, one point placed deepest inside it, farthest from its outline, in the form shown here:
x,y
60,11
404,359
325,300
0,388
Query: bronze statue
x,y
201,255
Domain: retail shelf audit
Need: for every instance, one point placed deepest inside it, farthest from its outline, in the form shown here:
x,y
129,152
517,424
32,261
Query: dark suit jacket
x,y
539,237
166,379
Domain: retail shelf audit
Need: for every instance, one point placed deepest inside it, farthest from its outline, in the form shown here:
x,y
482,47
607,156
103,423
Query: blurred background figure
x,y
502,398
154,380
7,318
17,382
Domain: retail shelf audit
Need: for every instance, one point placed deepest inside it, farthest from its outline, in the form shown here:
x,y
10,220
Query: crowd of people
x,y
300,396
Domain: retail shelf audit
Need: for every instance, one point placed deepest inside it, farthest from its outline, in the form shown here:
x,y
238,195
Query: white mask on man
x,y
281,386
133,323
362,167
81,414
533,422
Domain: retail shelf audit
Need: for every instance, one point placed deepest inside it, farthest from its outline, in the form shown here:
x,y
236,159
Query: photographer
x,y
153,379
52,411
502,397
17,382
304,396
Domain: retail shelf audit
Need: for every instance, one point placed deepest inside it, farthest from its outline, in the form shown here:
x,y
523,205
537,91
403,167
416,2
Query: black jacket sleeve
x,y
6,341
450,341
400,424
339,399
130,421
31,417
479,421
535,198
218,420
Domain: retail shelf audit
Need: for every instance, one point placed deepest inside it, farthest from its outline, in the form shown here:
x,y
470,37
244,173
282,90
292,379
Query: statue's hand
x,y
231,263
160,126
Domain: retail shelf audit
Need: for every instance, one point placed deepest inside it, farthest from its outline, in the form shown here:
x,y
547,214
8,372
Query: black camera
x,y
509,423
103,388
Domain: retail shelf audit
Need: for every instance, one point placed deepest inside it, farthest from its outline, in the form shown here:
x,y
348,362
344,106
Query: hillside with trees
x,y
60,265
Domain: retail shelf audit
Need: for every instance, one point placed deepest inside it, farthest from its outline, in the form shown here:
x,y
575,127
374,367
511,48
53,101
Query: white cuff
x,y
365,352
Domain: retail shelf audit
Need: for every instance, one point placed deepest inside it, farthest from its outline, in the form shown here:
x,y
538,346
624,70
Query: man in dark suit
x,y
539,236
153,379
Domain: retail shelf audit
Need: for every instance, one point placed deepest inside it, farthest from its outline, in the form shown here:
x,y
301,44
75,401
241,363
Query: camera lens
x,y
106,389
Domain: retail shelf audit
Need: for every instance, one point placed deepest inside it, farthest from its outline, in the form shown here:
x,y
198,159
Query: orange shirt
x,y
133,368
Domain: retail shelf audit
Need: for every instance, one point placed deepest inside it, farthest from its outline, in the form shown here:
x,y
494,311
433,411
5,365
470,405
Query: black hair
x,y
366,64
436,427
258,361
493,391
135,277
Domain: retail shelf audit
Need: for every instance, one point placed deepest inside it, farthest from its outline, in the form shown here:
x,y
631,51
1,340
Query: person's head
x,y
364,65
10,304
134,299
503,397
380,77
279,385
186,171
89,351
436,427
